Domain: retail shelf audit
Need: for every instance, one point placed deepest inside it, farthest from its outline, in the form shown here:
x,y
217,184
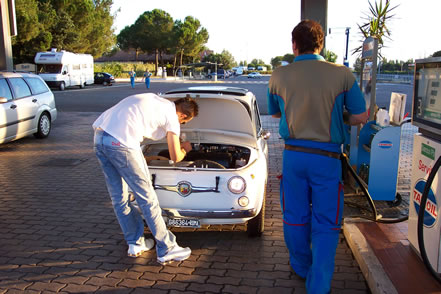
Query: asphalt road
x,y
97,98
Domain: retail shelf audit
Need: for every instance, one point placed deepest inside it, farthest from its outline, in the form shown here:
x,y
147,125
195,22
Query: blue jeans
x,y
312,204
124,166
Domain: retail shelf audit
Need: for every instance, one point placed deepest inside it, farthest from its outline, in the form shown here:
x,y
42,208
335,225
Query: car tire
x,y
62,86
44,126
105,83
82,85
256,225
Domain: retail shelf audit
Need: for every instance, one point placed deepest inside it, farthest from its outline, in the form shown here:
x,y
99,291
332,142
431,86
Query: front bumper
x,y
210,214
54,84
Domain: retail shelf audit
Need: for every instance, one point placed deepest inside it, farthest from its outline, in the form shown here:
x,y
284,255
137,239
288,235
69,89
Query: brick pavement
x,y
59,233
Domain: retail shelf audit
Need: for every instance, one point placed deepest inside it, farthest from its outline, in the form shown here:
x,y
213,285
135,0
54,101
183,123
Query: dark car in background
x,y
221,74
104,78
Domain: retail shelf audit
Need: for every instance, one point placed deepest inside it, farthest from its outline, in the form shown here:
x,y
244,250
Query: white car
x,y
27,106
254,75
223,179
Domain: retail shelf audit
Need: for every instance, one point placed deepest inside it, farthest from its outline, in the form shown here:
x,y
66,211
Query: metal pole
x,y
215,71
5,36
316,10
374,80
346,62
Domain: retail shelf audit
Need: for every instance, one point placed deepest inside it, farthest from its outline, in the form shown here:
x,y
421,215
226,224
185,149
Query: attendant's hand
x,y
186,146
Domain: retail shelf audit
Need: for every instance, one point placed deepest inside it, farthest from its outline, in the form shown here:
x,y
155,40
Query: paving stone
x,y
74,288
129,283
96,281
40,286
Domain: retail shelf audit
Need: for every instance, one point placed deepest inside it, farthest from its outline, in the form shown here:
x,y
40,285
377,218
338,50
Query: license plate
x,y
183,222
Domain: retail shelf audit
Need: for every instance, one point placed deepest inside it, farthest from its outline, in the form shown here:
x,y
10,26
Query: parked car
x,y
27,106
220,74
254,75
104,78
223,179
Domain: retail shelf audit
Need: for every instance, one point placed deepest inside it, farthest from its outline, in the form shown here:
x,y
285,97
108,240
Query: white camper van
x,y
65,69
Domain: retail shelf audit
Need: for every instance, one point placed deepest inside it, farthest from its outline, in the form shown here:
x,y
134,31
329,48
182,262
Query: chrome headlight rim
x,y
233,181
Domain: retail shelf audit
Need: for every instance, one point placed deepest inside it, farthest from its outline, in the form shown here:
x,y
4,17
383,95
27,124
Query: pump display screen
x,y
427,96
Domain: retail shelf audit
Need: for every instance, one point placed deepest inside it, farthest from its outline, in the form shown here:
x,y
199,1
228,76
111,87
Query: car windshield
x,y
49,68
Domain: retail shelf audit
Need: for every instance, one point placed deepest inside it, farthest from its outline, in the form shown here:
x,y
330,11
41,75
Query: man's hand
x,y
356,119
277,115
186,146
177,152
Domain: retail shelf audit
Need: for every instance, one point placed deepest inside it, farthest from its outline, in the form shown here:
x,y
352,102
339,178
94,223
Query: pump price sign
x,y
430,212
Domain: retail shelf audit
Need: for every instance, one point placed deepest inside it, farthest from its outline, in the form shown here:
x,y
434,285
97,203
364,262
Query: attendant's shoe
x,y
177,253
136,250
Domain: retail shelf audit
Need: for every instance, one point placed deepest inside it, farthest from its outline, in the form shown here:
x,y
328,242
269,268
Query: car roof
x,y
13,74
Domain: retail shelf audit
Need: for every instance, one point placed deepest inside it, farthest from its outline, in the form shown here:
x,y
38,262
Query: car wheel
x,y
104,83
62,86
44,126
255,226
82,85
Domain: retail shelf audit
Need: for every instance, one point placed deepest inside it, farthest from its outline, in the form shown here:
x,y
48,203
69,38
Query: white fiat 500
x,y
223,179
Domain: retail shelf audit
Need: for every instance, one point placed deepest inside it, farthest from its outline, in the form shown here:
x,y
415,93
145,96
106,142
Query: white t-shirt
x,y
139,116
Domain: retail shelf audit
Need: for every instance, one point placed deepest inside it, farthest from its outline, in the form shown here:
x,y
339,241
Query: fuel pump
x,y
424,226
375,148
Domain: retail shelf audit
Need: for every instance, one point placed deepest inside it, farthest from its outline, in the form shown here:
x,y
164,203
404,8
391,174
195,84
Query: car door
x,y
75,75
8,113
26,105
262,143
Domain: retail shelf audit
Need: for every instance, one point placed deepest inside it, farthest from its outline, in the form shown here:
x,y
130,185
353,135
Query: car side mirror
x,y
3,100
64,72
265,134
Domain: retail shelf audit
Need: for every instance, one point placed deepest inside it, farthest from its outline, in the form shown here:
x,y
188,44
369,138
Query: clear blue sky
x,y
250,29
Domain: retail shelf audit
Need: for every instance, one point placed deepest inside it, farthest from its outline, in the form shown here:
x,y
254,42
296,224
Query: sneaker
x,y
136,250
177,253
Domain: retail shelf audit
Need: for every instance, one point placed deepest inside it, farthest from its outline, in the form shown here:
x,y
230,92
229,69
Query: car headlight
x,y
236,185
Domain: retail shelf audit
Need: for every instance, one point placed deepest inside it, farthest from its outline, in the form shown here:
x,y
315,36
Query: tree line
x,y
81,26
156,32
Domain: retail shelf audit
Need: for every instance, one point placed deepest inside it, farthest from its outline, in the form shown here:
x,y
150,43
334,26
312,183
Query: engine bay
x,y
203,155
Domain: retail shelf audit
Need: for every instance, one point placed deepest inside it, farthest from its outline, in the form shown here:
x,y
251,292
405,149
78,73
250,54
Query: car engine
x,y
203,155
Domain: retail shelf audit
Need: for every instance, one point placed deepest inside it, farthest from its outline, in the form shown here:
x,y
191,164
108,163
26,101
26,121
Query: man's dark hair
x,y
187,106
308,35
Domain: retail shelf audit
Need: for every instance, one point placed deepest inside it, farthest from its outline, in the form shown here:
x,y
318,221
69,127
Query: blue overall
x,y
132,79
310,96
311,197
147,80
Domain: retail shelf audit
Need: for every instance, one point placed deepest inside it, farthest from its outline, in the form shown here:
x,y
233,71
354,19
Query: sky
x,y
249,29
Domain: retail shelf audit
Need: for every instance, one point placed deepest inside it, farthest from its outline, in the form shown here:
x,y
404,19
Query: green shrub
x,y
121,70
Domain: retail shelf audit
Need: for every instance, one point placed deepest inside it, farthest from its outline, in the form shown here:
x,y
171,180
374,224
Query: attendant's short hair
x,y
308,35
187,106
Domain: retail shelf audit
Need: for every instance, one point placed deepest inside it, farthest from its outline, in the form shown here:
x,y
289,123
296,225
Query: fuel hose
x,y
363,186
420,223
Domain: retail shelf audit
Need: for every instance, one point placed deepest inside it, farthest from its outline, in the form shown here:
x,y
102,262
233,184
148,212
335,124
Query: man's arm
x,y
177,152
356,119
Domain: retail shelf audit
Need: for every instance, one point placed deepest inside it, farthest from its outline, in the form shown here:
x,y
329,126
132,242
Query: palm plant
x,y
376,25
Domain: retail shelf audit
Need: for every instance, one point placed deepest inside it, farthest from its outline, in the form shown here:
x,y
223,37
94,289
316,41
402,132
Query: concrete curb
x,y
376,277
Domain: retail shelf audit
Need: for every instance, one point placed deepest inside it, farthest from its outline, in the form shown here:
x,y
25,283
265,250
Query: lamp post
x,y
8,28
215,71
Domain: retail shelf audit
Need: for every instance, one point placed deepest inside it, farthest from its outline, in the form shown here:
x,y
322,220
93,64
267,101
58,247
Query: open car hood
x,y
224,114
